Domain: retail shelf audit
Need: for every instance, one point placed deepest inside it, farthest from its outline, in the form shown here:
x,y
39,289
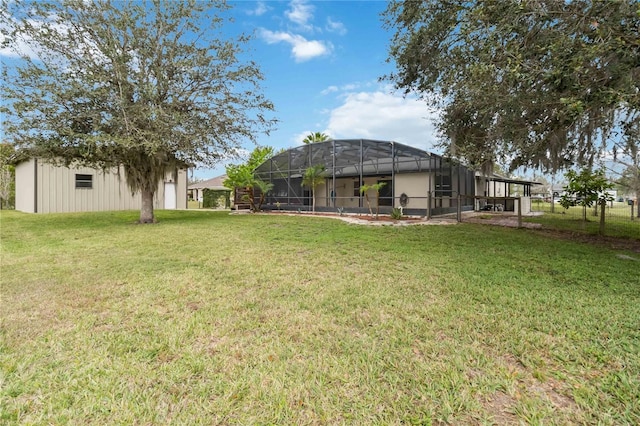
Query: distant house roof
x,y
213,183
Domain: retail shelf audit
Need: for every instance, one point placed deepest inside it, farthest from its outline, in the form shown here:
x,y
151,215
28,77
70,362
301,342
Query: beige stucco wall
x,y
321,195
416,186
346,192
53,189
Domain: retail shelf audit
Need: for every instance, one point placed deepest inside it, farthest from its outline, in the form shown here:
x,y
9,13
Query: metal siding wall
x,y
181,187
101,188
61,195
158,200
44,189
54,187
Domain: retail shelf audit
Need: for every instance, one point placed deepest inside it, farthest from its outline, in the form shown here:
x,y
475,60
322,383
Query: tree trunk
x,y
146,212
313,201
252,201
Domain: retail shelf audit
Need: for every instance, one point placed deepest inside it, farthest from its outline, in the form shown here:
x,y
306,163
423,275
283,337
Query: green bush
x,y
212,199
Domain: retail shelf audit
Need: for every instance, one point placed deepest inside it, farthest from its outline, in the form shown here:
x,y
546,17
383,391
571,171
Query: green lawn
x,y
618,222
210,318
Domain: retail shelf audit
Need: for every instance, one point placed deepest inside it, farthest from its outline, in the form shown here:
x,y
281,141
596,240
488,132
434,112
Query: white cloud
x,y
330,89
336,27
343,88
20,46
260,9
25,46
383,116
301,48
301,13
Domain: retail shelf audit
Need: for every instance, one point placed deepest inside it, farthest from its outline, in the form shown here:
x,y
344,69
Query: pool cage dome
x,y
420,182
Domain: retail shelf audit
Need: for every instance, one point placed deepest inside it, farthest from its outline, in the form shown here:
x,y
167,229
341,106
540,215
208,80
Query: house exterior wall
x,y
345,193
497,189
54,189
416,186
481,186
321,195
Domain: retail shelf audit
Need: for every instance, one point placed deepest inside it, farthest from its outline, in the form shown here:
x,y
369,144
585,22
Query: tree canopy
x,y
146,85
7,176
242,176
585,188
315,137
533,83
313,177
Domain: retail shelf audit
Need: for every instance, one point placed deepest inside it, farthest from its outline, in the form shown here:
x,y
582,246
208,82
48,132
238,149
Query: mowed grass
x,y
211,318
618,221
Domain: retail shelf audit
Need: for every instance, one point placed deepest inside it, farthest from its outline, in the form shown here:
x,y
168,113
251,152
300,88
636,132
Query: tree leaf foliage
x,y
315,137
376,187
243,177
530,83
147,85
585,188
312,177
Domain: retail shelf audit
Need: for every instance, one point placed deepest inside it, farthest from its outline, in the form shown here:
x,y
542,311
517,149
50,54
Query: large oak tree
x,y
143,85
542,83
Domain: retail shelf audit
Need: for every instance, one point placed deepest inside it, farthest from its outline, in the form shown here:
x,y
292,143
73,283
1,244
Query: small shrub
x,y
396,213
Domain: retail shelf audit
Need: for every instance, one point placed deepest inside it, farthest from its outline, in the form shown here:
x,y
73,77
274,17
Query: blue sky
x,y
322,61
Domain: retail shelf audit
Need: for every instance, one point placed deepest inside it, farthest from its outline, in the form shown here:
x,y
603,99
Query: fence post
x,y
520,212
459,208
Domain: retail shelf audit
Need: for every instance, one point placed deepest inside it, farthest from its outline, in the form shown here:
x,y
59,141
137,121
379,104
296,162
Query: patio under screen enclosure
x,y
421,182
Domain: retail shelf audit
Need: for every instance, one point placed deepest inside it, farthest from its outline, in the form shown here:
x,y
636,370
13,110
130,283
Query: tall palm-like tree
x,y
364,189
311,179
315,137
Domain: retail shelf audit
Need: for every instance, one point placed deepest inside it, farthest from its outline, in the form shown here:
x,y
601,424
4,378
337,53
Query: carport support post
x,y
520,212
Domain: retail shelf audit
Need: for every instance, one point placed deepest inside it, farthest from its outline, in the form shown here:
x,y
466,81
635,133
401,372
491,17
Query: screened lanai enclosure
x,y
420,182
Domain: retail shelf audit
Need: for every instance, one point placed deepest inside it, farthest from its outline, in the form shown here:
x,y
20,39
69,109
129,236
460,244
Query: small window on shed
x,y
84,181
